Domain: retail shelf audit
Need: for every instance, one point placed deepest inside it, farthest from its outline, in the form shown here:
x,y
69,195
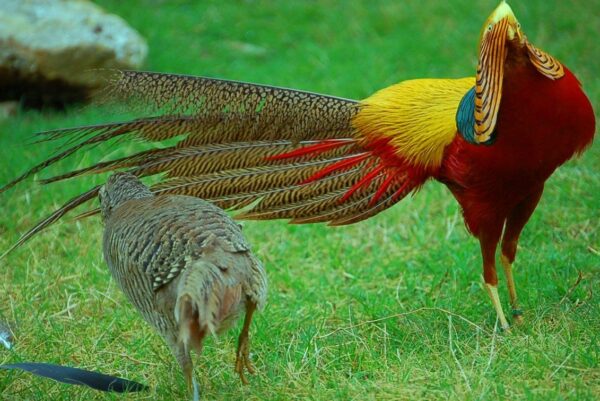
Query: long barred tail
x,y
279,153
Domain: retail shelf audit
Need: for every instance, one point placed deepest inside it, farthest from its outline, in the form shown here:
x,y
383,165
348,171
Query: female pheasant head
x,y
501,35
120,188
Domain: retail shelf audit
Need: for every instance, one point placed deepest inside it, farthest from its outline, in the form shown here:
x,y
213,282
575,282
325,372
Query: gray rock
x,y
7,110
47,48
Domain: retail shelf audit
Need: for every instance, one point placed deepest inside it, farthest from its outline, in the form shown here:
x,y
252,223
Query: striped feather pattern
x,y
244,180
207,111
488,80
301,193
228,134
236,111
544,63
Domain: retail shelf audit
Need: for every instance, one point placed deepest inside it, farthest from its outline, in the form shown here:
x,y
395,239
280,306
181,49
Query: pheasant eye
x,y
490,27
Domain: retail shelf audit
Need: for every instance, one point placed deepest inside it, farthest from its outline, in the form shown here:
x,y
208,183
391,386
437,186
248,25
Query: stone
x,y
48,47
7,110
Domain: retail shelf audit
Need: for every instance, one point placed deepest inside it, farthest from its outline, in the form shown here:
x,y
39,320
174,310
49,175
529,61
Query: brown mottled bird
x,y
184,264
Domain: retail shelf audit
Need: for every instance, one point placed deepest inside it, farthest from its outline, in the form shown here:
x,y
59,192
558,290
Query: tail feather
x,y
187,316
308,200
296,211
369,209
149,129
195,161
230,182
205,302
56,215
60,156
283,195
249,109
145,157
176,161
280,153
346,213
287,196
198,300
208,111
333,210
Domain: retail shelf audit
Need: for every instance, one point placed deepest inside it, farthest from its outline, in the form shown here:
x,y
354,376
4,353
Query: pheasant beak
x,y
514,32
504,12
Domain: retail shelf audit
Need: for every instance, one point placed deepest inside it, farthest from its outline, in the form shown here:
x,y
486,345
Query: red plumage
x,y
489,181
499,186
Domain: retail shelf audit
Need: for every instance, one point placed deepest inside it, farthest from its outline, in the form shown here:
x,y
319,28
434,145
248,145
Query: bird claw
x,y
517,316
243,361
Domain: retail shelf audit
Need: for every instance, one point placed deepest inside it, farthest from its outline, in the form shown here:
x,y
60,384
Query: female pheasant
x,y
184,264
493,140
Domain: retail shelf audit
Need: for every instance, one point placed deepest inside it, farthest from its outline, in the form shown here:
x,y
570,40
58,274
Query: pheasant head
x,y
120,188
501,40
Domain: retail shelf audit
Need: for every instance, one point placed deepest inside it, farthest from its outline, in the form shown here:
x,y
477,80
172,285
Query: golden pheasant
x,y
493,140
184,264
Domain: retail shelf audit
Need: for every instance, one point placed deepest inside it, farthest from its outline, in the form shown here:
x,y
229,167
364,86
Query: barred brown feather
x,y
299,193
362,211
281,152
231,182
226,128
237,111
145,157
358,204
315,199
209,111
54,216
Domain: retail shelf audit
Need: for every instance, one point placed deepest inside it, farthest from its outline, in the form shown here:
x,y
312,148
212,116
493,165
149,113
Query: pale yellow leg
x,y
492,291
517,314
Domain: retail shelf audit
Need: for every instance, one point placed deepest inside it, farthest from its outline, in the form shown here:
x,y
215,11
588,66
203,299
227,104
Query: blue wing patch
x,y
465,119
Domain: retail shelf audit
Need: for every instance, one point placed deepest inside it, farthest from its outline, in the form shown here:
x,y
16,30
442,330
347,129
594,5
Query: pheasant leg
x,y
182,355
514,226
492,291
517,314
243,350
488,241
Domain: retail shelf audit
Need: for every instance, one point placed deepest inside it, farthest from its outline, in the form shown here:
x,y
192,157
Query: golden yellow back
x,y
418,115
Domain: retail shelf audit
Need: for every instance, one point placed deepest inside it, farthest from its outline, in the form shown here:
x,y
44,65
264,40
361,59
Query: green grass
x,y
391,308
